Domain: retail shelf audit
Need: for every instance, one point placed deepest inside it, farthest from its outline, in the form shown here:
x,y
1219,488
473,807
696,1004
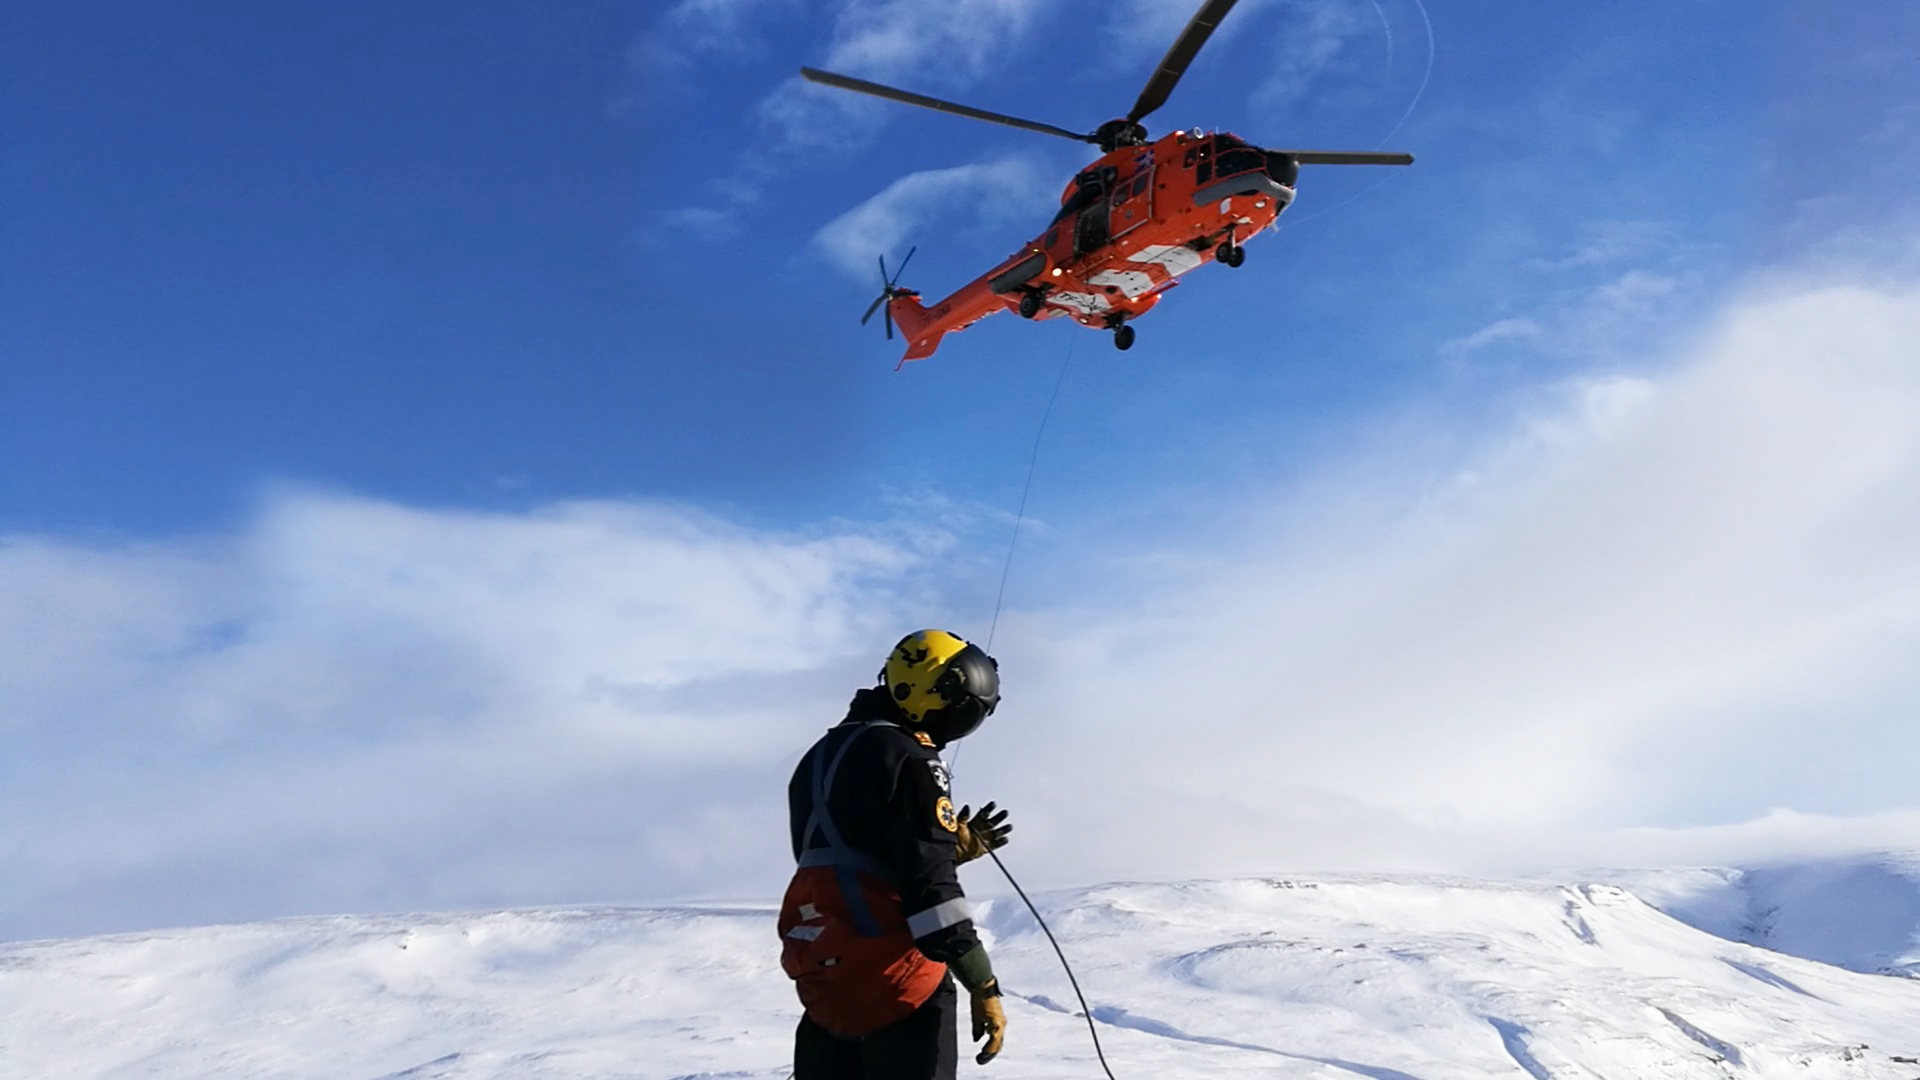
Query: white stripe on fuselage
x,y
1132,282
1177,259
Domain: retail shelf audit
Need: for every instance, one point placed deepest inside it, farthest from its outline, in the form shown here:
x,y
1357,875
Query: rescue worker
x,y
874,927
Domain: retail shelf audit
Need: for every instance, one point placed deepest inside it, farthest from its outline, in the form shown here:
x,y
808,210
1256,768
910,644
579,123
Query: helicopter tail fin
x,y
916,325
903,307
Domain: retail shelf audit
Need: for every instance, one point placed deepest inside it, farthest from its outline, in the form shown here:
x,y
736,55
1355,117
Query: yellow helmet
x,y
941,683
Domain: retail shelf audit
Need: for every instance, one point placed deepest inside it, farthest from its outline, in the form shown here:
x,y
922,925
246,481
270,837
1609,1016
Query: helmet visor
x,y
971,689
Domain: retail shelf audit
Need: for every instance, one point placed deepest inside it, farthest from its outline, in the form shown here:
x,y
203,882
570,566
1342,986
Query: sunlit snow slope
x,y
1384,978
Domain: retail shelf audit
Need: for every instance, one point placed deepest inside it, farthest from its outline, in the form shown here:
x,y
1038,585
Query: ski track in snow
x,y
1383,978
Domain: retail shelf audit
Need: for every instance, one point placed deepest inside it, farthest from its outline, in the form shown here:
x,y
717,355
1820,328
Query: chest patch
x,y
943,812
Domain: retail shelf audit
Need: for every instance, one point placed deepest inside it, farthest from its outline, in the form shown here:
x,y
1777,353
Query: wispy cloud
x,y
980,194
1503,330
1607,243
932,48
720,26
1322,40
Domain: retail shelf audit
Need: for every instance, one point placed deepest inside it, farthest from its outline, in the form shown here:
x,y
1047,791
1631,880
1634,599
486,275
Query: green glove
x,y
989,1020
977,836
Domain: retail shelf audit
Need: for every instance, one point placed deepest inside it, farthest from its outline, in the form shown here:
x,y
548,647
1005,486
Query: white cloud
x,y
1687,599
353,700
990,193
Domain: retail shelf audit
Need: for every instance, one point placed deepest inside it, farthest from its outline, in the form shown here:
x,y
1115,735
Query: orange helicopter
x,y
1129,224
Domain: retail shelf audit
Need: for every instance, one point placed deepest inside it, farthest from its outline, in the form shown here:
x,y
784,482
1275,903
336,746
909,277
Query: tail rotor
x,y
888,290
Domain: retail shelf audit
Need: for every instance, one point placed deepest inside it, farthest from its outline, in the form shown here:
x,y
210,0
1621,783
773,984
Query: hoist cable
x,y
1020,515
1006,568
1026,489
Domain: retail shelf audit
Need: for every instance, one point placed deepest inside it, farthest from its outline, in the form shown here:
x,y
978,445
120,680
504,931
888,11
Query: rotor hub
x,y
1117,133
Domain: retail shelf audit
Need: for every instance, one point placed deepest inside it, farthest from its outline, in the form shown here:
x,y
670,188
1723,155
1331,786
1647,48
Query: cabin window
x,y
1234,162
1052,235
1140,184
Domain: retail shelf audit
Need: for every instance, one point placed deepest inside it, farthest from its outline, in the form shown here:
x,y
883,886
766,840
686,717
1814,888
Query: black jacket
x,y
889,801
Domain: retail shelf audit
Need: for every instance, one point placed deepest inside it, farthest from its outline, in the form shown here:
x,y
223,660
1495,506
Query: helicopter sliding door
x,y
1132,202
1091,231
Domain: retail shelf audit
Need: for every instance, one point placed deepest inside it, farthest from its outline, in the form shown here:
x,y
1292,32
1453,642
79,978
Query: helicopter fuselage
x,y
1130,224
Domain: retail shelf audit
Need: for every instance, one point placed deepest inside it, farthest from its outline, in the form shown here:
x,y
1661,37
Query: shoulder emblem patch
x,y
943,812
923,739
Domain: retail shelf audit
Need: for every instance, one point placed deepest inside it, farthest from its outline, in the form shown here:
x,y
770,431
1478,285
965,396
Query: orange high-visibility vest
x,y
844,936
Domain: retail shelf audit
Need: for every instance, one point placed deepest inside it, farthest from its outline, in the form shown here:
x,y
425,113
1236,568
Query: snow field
x,y
1386,978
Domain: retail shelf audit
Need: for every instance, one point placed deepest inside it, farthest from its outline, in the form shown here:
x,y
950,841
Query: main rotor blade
x,y
862,86
1349,157
1174,64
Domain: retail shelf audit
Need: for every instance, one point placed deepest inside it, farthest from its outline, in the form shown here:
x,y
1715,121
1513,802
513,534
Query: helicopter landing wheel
x,y
1123,337
1030,302
1231,254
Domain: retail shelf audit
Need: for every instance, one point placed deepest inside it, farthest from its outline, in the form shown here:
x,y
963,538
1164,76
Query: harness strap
x,y
844,857
844,860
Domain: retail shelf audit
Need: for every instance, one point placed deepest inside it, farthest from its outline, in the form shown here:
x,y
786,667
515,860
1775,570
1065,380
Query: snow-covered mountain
x,y
1385,978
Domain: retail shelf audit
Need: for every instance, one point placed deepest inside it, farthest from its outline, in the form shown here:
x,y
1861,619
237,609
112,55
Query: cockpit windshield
x,y
1236,161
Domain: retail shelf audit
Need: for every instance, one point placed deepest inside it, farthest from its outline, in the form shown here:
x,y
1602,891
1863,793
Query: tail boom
x,y
923,327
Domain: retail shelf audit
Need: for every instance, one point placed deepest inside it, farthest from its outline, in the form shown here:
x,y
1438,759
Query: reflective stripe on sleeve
x,y
805,933
939,917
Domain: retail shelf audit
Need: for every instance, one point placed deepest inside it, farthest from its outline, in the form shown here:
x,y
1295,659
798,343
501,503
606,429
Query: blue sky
x,y
442,438
435,253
